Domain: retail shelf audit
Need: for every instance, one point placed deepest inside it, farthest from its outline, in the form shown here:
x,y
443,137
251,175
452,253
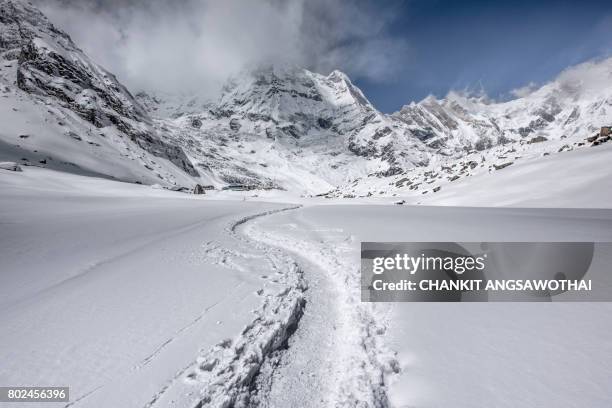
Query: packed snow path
x,y
224,375
337,356
473,354
310,344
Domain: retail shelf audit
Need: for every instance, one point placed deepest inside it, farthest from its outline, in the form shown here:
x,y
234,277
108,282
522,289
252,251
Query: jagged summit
x,y
578,100
283,91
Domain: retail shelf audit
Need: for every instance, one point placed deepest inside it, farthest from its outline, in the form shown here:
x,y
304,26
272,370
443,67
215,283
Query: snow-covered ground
x,y
579,179
137,296
463,355
112,288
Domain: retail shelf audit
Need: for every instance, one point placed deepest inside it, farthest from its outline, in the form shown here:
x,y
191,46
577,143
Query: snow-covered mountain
x,y
286,127
474,135
310,109
278,127
62,110
578,101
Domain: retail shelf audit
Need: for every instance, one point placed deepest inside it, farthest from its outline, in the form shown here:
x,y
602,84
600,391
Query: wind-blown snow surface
x,y
468,355
113,289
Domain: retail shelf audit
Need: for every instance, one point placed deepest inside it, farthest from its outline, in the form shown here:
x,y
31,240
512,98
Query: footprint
x,y
208,365
226,343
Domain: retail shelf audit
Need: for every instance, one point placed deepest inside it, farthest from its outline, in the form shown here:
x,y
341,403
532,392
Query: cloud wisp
x,y
194,45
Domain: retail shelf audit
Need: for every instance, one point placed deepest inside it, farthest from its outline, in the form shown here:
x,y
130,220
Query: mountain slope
x,y
285,127
278,127
578,101
474,135
64,111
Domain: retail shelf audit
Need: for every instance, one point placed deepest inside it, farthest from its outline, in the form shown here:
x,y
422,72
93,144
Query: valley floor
x,y
137,297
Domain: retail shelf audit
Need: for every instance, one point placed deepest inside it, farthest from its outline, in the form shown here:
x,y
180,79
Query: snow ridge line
x,y
226,373
369,363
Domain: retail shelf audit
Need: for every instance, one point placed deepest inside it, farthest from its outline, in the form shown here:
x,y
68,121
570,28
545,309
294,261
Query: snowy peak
x,y
578,100
289,128
320,125
284,92
346,91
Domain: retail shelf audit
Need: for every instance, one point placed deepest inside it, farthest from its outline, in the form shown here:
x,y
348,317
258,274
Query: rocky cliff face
x,y
305,109
51,66
291,128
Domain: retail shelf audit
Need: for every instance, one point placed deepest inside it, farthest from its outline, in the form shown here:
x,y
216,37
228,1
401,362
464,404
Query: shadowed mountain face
x,y
52,67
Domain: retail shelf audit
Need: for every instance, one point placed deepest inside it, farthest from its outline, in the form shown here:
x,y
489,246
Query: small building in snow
x,y
238,187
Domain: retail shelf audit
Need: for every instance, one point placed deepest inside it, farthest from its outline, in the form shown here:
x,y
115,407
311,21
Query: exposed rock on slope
x,y
285,127
578,101
50,66
305,109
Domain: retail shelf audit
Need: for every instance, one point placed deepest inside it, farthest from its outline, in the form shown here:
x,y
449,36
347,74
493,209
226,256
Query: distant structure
x,y
604,136
199,189
238,187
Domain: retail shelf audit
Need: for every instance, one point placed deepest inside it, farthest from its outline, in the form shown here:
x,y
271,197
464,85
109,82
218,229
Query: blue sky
x,y
496,45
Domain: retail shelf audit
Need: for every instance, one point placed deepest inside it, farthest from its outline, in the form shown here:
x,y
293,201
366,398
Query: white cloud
x,y
194,45
524,90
